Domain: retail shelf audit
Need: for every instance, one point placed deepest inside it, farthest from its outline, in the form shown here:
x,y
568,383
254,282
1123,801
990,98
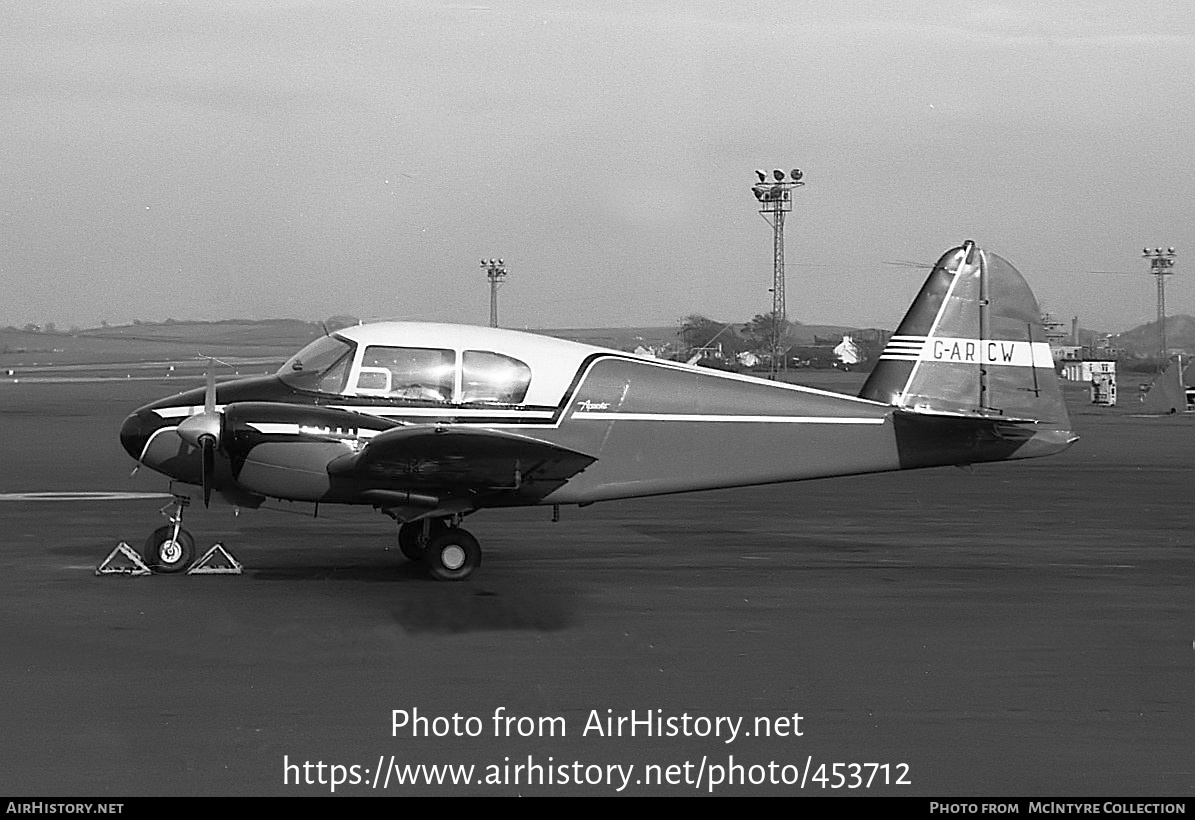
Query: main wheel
x,y
452,555
165,553
411,540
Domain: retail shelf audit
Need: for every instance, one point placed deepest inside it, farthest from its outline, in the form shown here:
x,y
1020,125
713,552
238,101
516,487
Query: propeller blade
x,y
209,397
209,467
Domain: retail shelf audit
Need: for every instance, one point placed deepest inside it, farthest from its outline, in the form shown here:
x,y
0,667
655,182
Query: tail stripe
x,y
904,348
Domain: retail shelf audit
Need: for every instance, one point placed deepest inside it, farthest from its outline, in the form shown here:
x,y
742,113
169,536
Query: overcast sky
x,y
258,158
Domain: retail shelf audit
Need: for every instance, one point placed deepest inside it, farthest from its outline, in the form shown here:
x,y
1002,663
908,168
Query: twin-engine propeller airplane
x,y
429,423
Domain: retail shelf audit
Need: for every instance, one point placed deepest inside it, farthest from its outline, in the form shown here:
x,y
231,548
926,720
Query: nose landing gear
x,y
170,548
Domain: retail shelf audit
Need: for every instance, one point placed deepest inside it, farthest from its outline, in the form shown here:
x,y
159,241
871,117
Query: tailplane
x,y
972,346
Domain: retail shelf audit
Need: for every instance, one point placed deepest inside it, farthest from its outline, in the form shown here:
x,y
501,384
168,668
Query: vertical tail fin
x,y
1168,392
972,344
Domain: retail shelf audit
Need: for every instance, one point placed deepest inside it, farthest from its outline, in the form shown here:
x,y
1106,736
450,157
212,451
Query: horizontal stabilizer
x,y
997,417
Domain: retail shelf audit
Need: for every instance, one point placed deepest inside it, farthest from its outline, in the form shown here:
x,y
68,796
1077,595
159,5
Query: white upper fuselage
x,y
554,365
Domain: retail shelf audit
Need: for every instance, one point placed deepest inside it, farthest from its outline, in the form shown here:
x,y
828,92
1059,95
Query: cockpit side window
x,y
333,379
322,366
407,373
492,378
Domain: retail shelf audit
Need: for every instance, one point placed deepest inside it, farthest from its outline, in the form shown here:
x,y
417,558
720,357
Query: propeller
x,y
209,467
202,430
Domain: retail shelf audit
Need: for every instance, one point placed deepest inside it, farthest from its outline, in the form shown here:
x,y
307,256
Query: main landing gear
x,y
170,548
449,552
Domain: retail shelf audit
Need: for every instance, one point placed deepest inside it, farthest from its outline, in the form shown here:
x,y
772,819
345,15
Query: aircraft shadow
x,y
485,610
377,573
430,607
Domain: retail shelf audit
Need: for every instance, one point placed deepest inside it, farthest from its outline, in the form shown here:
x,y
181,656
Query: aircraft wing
x,y
454,461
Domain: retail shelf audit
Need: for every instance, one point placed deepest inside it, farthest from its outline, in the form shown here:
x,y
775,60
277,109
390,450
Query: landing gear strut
x,y
170,548
449,552
414,536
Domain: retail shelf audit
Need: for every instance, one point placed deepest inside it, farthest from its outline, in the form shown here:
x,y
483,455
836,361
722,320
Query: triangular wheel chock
x,y
216,561
123,560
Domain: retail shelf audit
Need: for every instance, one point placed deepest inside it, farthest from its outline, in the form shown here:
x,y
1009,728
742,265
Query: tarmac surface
x,y
1027,629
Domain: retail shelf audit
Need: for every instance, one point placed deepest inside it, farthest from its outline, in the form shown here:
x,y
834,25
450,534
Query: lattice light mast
x,y
495,271
775,200
1160,263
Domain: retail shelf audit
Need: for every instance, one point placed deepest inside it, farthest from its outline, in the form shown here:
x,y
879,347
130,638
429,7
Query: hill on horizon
x,y
1142,341
148,341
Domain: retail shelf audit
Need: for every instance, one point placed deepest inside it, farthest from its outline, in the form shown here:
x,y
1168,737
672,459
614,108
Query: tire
x,y
410,537
163,553
452,556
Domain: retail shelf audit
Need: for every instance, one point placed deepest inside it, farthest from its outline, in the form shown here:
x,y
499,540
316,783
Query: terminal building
x,y
1094,365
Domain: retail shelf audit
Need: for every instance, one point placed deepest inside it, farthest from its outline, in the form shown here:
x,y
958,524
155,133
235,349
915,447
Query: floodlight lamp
x,y
762,176
1158,251
796,175
1170,251
1145,251
758,193
500,262
778,174
483,263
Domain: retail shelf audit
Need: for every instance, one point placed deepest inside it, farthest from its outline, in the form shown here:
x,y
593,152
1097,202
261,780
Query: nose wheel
x,y
170,548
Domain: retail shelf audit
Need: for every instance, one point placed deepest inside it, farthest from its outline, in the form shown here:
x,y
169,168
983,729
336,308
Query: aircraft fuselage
x,y
652,427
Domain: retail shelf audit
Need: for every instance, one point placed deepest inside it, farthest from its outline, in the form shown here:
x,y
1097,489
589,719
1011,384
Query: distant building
x,y
1066,353
1086,370
848,352
1105,349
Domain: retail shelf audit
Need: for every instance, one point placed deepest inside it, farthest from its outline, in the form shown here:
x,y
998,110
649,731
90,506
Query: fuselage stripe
x,y
183,410
452,411
696,417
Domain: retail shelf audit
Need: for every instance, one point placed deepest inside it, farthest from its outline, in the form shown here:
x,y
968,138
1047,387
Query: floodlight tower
x,y
1160,263
775,200
495,271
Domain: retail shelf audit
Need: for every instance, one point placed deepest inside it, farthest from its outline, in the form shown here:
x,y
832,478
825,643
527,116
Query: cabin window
x,y
493,378
407,372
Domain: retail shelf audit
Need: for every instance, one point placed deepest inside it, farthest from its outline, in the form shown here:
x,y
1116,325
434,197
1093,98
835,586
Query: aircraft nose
x,y
136,430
